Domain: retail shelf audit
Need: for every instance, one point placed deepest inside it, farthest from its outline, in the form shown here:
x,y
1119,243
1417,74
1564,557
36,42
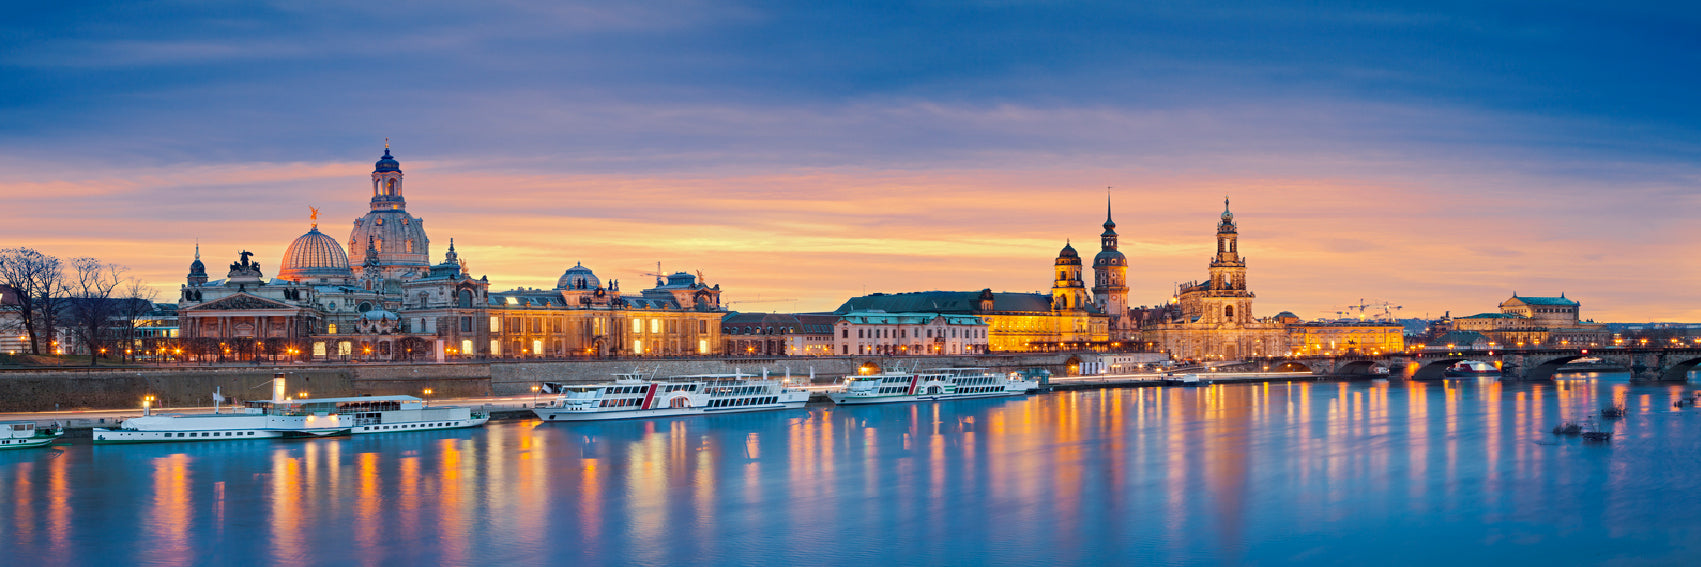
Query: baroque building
x,y
1110,283
381,298
1212,319
1525,321
1065,319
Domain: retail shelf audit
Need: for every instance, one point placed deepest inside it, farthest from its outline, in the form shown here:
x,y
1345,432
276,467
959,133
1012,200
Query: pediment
x,y
243,301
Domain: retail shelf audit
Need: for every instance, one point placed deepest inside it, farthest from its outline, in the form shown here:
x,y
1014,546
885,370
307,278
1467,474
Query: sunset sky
x,y
1439,155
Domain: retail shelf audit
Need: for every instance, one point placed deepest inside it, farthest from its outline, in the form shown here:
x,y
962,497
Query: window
x,y
495,325
331,329
847,333
410,245
638,346
655,325
702,326
637,325
466,324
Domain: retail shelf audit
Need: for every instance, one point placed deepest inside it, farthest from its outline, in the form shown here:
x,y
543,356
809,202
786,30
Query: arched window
x,y
364,307
464,299
1228,312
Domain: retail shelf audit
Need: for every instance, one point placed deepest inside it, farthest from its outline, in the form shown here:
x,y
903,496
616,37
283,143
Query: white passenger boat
x,y
634,396
282,417
928,385
25,434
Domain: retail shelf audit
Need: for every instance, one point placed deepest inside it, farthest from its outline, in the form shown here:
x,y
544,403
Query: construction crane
x,y
1375,310
759,300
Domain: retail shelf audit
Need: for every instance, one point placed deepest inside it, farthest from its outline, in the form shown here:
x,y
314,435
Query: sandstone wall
x,y
119,388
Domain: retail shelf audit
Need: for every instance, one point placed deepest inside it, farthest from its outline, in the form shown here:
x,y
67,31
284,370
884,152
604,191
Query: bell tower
x,y
387,183
1110,274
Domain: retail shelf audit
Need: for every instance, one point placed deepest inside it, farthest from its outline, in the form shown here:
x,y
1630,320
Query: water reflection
x,y
1281,472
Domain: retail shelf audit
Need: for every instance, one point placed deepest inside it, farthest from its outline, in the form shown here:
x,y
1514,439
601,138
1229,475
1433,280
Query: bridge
x,y
1644,364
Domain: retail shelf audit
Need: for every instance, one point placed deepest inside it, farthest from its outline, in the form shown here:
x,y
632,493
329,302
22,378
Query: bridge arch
x,y
1679,372
1362,368
1072,366
1547,369
1435,369
1292,366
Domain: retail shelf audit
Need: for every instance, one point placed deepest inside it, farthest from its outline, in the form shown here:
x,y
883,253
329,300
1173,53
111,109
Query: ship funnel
x,y
278,388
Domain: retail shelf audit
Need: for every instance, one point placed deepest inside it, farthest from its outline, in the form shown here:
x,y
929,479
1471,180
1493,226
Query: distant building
x,y
1525,321
1345,337
381,298
893,334
779,334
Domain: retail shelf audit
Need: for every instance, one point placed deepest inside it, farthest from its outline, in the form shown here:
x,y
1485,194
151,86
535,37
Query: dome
x,y
1110,258
380,315
314,255
578,277
388,163
197,268
1068,252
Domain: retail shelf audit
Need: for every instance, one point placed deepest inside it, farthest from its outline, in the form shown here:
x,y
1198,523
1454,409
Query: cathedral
x,y
1212,319
382,298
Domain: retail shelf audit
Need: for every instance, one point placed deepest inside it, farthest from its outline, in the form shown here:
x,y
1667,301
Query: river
x,y
1281,473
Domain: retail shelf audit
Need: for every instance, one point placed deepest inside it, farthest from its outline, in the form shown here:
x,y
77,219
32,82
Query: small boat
x,y
25,434
633,395
930,385
1472,369
1189,380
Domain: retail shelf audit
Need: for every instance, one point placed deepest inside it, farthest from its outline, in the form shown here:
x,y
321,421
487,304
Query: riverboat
x,y
284,418
930,385
633,395
1471,369
25,434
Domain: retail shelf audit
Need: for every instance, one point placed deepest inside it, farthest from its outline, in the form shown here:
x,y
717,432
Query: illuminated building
x,y
1212,319
779,334
680,316
382,299
892,334
1065,319
1535,321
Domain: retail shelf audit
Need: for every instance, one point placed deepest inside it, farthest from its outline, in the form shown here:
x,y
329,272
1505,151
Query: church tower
x,y
1068,292
1110,275
1227,300
197,270
394,238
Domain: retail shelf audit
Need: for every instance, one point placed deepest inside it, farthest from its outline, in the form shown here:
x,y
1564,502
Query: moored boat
x,y
26,434
929,385
633,395
282,418
1472,369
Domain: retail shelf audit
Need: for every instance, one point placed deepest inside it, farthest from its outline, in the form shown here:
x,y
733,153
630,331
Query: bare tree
x,y
136,303
92,308
39,281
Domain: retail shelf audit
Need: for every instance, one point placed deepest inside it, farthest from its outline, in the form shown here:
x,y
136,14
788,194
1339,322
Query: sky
x,y
1437,156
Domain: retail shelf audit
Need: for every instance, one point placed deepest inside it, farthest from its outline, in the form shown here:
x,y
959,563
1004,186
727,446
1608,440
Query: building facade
x,y
895,334
1525,321
378,297
1213,319
1067,318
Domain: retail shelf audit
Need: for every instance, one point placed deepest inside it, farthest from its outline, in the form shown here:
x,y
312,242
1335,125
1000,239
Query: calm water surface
x,y
1336,473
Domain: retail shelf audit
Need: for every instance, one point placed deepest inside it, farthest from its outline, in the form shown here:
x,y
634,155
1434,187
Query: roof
x,y
1460,338
884,318
964,302
1561,300
1493,316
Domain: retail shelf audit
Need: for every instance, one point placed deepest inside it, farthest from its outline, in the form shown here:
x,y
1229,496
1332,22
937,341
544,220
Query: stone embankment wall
x,y
119,388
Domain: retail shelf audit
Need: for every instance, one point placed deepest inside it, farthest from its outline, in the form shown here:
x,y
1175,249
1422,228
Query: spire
x,y
197,249
1226,205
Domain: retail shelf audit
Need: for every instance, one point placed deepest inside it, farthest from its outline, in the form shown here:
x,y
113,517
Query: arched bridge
x,y
1643,364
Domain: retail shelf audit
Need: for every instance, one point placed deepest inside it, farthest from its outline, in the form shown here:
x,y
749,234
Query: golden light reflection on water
x,y
1167,466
